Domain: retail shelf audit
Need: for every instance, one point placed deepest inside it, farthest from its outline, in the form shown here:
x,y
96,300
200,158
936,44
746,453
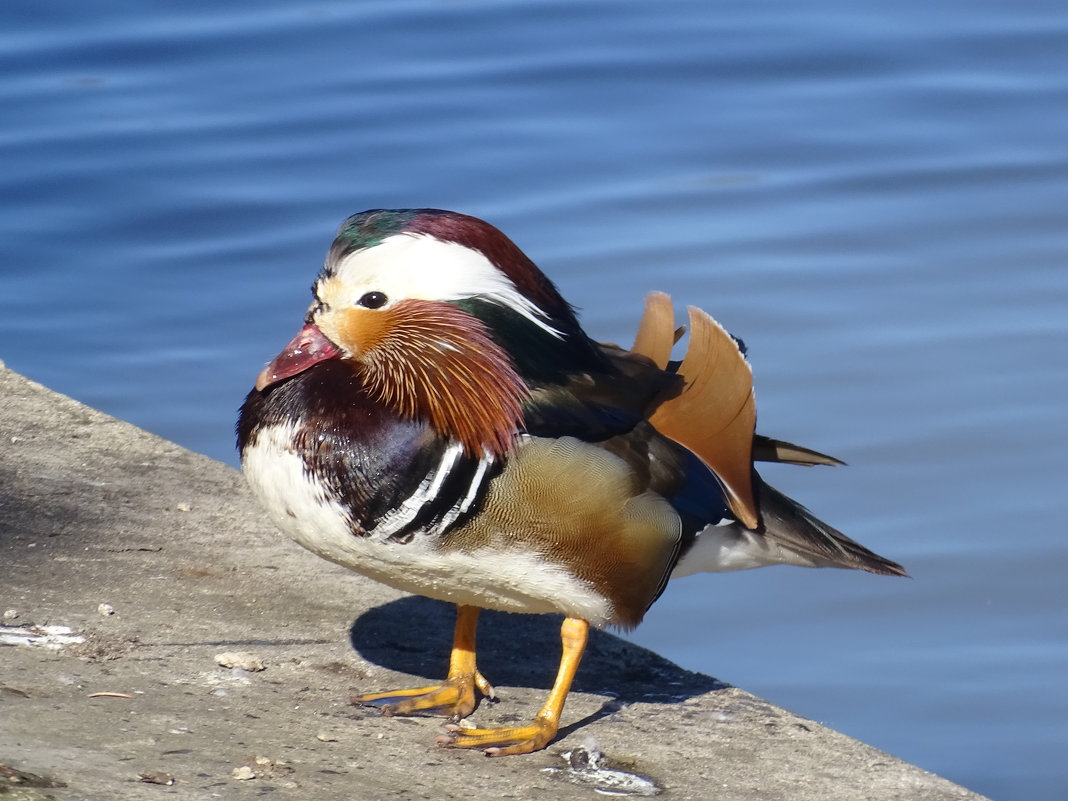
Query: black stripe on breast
x,y
443,512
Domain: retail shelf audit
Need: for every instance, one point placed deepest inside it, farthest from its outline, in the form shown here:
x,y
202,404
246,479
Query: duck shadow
x,y
414,635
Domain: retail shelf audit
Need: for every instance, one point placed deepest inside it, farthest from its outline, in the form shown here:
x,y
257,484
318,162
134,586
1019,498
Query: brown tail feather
x,y
656,331
656,337
796,529
715,414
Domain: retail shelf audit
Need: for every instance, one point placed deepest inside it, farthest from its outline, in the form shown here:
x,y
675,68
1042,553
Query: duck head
x,y
430,308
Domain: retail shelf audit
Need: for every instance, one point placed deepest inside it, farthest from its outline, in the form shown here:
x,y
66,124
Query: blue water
x,y
873,195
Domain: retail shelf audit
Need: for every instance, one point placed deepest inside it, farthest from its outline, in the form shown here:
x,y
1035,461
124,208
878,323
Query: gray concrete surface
x,y
158,560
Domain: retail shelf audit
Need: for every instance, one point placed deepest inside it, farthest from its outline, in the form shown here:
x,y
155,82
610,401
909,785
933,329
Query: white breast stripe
x,y
472,492
476,482
448,459
424,493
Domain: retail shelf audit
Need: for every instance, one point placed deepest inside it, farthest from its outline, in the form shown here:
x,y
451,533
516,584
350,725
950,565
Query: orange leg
x,y
455,697
524,739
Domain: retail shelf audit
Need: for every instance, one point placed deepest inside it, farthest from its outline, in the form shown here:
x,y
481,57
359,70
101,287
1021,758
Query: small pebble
x,y
105,610
243,773
165,779
183,507
240,659
11,614
323,737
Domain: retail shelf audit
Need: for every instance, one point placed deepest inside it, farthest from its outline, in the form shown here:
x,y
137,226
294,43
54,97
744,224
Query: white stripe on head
x,y
422,267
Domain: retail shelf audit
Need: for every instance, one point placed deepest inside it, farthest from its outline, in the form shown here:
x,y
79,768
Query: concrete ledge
x,y
159,560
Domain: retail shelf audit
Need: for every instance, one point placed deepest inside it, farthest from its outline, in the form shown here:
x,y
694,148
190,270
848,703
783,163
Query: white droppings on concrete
x,y
53,637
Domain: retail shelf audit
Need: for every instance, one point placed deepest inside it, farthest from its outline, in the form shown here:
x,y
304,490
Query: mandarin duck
x,y
443,424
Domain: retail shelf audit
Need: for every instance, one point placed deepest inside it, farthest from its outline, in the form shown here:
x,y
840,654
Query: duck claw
x,y
502,741
455,698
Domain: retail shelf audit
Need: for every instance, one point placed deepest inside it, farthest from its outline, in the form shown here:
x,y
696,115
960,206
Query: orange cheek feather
x,y
431,360
361,330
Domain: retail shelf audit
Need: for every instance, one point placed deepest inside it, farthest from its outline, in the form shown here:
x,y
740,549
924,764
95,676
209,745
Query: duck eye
x,y
373,300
